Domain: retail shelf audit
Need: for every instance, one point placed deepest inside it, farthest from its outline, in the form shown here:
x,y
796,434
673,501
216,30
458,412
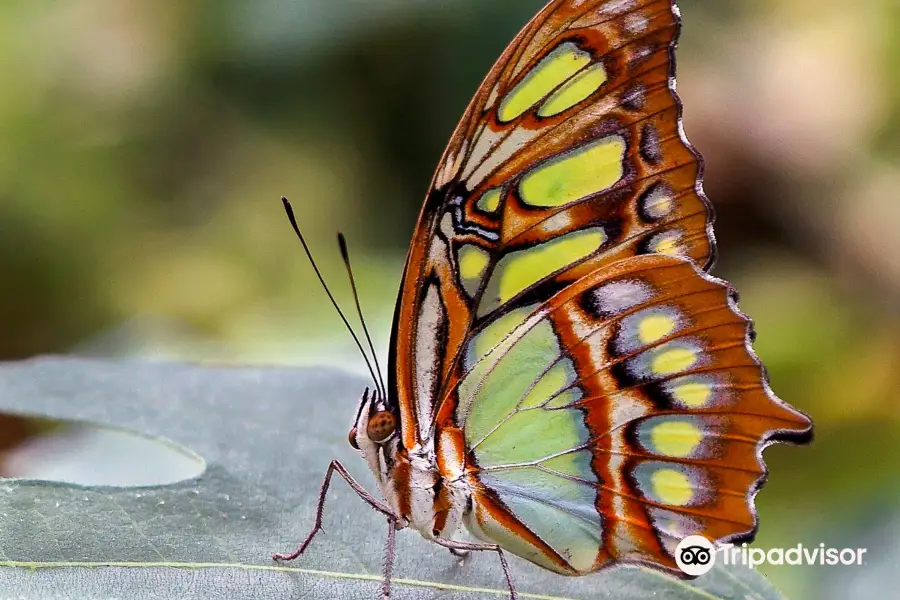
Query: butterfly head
x,y
375,428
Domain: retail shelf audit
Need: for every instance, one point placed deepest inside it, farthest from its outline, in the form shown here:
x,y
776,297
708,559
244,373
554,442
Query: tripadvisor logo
x,y
795,555
696,555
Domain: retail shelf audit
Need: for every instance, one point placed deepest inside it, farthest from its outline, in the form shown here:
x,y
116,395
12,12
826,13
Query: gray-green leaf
x,y
267,436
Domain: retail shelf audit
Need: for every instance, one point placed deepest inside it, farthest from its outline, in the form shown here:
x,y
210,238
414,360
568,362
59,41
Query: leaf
x,y
267,436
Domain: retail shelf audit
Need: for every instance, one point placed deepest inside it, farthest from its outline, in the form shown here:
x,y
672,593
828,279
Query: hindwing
x,y
619,416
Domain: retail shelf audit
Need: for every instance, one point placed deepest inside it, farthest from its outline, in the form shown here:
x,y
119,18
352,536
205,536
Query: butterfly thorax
x,y
425,487
430,503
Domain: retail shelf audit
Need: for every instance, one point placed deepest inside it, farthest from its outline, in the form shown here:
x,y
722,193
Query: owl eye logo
x,y
695,555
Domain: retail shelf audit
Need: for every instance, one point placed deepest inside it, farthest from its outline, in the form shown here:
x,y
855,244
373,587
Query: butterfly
x,y
566,381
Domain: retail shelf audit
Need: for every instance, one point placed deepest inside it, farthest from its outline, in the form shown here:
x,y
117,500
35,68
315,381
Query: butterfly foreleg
x,y
468,546
372,501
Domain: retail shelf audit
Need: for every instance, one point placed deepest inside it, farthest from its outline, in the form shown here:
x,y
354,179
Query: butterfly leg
x,y
467,546
335,466
388,559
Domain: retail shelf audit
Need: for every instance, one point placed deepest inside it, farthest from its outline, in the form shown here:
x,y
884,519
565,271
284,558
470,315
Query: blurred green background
x,y
144,146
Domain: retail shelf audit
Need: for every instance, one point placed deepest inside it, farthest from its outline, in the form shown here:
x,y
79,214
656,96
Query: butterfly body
x,y
565,379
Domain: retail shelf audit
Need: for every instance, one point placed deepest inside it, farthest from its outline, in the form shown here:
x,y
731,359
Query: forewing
x,y
569,157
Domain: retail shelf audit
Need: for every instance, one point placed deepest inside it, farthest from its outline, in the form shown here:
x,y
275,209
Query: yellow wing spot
x,y
472,263
659,203
663,205
489,201
668,243
675,438
672,487
655,327
674,360
693,395
518,270
554,69
574,91
583,172
668,246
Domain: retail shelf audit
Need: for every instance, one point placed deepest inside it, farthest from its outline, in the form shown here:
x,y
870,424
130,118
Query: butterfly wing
x,y
570,151
618,417
569,169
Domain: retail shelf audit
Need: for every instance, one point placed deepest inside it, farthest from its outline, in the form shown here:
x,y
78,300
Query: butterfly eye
x,y
381,426
351,437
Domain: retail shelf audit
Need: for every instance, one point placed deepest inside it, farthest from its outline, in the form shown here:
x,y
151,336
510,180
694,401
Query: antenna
x,y
290,214
342,242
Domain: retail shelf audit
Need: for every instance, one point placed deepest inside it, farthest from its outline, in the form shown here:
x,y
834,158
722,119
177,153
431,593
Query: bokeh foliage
x,y
144,145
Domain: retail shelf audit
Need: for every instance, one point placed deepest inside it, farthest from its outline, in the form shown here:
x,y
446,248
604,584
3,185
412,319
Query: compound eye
x,y
381,426
351,437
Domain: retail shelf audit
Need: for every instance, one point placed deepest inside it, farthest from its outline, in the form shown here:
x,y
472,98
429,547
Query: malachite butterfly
x,y
565,379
